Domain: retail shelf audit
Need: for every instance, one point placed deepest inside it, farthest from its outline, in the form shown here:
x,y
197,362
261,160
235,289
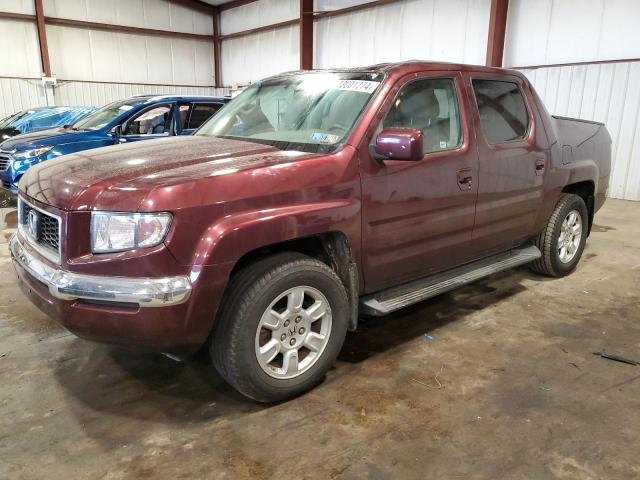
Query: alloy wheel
x,y
293,332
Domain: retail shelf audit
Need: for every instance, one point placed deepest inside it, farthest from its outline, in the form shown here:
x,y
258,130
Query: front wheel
x,y
563,239
281,327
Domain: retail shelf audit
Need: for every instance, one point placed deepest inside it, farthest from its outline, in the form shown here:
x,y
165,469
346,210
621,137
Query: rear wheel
x,y
563,239
281,327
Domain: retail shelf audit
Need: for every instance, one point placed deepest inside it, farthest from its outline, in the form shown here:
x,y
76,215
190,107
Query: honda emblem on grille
x,y
33,224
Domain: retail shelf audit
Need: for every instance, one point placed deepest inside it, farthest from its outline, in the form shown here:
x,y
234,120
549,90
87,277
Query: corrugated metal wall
x,y
548,32
98,94
446,30
107,56
19,94
110,65
451,30
252,57
608,93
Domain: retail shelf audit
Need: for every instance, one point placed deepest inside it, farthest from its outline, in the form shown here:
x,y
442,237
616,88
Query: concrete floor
x,y
507,388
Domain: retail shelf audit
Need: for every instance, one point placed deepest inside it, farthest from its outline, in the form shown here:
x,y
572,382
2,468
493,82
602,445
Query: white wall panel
x,y
19,94
606,93
18,6
542,32
443,30
258,14
157,14
20,55
250,58
325,5
97,55
99,94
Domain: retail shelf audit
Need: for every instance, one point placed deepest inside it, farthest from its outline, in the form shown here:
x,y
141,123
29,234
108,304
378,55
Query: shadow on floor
x,y
154,388
379,334
148,387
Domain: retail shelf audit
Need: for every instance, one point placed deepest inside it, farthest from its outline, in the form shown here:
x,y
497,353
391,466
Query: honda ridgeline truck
x,y
311,199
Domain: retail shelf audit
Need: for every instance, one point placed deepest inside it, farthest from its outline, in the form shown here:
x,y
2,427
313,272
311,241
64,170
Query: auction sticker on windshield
x,y
365,86
325,138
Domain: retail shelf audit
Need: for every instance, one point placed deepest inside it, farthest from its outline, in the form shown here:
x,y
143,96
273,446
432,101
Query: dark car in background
x,y
137,118
41,118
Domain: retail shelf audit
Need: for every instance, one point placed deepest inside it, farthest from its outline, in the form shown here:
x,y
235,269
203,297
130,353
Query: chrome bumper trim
x,y
145,292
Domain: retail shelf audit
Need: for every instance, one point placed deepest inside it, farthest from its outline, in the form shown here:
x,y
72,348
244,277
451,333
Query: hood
x,y
120,177
43,138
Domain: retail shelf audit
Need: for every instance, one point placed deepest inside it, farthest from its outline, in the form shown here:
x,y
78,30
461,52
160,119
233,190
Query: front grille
x,y
6,184
41,229
5,161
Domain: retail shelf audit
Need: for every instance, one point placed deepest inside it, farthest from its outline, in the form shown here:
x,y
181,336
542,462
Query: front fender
x,y
236,235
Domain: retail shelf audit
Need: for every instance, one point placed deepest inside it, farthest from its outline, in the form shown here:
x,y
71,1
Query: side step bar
x,y
395,298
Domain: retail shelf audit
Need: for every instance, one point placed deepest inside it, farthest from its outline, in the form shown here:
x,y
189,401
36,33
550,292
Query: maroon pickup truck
x,y
311,199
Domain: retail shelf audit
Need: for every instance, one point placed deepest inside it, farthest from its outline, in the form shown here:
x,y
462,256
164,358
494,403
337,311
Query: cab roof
x,y
415,65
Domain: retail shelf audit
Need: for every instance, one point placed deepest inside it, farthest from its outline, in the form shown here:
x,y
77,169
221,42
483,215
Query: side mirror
x,y
116,131
400,144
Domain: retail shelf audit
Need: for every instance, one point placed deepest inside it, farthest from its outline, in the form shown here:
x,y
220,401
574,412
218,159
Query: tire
x,y
554,262
241,333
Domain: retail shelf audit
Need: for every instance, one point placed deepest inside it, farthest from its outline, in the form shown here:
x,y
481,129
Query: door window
x,y
430,105
192,116
184,115
201,113
155,121
503,114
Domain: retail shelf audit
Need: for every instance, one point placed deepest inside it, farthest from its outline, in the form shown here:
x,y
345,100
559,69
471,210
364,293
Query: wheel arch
x,y
332,248
585,189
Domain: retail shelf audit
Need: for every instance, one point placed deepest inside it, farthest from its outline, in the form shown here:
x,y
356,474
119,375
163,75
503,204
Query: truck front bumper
x,y
141,292
119,310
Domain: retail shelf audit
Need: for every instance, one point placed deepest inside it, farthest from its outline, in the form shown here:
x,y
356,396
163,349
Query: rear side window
x,y
200,114
503,114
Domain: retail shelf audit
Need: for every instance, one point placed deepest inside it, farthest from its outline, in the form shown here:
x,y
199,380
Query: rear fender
x,y
583,171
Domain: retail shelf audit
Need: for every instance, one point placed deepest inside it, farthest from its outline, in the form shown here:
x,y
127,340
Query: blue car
x,y
138,118
41,118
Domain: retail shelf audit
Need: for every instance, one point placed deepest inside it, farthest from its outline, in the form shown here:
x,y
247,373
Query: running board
x,y
395,298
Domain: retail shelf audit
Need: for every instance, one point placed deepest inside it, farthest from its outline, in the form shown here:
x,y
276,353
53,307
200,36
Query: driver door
x,y
418,216
155,121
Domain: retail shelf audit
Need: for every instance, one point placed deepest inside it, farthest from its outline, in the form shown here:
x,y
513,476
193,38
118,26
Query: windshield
x,y
106,115
6,122
311,112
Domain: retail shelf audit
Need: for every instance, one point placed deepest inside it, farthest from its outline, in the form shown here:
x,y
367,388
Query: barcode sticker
x,y
365,86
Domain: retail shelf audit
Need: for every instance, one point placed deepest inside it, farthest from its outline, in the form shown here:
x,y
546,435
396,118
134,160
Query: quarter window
x,y
503,114
429,105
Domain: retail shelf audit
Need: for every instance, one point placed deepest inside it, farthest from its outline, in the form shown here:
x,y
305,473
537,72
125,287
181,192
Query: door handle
x,y
541,163
464,179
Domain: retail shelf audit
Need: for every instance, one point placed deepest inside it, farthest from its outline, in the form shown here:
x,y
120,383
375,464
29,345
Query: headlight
x,y
36,152
116,232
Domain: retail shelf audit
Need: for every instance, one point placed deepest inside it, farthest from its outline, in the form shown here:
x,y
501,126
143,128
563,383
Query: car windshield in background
x,y
311,112
105,115
6,122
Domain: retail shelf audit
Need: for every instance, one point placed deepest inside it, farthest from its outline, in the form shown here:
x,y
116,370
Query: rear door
x,y
192,116
418,216
512,163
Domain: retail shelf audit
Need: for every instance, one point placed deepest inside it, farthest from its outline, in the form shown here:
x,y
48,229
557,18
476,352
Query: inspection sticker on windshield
x,y
366,86
324,138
